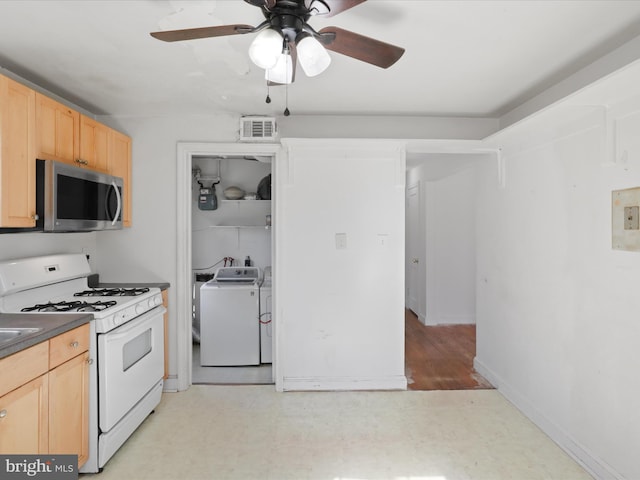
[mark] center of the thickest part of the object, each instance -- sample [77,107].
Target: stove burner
[77,306]
[112,292]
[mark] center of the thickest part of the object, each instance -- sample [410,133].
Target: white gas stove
[127,341]
[58,284]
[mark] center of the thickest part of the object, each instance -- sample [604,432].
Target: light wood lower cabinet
[48,413]
[24,418]
[68,408]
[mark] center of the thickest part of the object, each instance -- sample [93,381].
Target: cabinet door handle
[35,216]
[3,413]
[74,345]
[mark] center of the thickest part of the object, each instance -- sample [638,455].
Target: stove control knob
[140,309]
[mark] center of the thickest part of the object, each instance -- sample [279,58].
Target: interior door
[412,258]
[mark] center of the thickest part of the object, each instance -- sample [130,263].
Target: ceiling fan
[285,39]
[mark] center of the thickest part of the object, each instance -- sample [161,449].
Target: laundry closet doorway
[221,230]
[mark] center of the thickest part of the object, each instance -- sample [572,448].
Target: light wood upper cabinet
[57,131]
[94,144]
[17,155]
[120,166]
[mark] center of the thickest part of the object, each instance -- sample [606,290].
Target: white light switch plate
[341,241]
[625,205]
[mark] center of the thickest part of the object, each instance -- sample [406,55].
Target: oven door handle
[137,323]
[119,199]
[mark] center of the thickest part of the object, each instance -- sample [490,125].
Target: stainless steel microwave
[74,199]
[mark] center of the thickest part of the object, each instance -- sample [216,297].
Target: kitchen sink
[9,334]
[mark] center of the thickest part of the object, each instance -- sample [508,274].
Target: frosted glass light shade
[266,48]
[313,57]
[282,72]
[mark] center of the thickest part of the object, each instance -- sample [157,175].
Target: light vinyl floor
[253,432]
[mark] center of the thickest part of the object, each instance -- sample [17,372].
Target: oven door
[130,363]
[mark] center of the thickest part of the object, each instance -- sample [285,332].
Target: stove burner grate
[76,306]
[112,292]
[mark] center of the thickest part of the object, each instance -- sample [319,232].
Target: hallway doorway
[440,357]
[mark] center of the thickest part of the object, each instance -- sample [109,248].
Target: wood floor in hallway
[440,357]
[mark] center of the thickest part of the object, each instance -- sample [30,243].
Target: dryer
[229,312]
[266,325]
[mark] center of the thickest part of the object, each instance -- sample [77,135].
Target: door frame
[185,153]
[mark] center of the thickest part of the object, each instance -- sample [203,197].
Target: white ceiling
[463,58]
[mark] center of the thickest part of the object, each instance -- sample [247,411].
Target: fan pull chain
[268,99]
[286,95]
[286,100]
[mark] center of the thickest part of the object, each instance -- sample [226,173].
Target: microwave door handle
[119,207]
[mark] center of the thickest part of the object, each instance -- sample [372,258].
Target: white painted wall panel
[342,309]
[558,331]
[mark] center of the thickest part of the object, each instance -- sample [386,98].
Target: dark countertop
[94,282]
[160,285]
[52,324]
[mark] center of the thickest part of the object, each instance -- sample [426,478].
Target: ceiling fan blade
[360,47]
[203,32]
[338,6]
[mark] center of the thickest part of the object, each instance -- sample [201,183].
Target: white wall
[557,308]
[340,311]
[18,245]
[448,276]
[210,243]
[146,252]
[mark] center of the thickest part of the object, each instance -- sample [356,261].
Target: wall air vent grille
[257,129]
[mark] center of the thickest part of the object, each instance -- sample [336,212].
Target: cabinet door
[69,408]
[120,166]
[94,144]
[24,419]
[17,155]
[57,130]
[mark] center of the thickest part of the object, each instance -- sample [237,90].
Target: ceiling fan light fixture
[282,72]
[313,57]
[266,48]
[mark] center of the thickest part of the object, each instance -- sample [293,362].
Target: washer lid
[237,274]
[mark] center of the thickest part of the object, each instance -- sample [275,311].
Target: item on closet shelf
[207,198]
[264,188]
[250,196]
[233,193]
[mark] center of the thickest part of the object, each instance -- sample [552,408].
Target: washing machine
[200,279]
[266,325]
[229,312]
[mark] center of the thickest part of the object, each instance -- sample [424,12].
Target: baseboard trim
[170,384]
[450,320]
[590,462]
[398,382]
